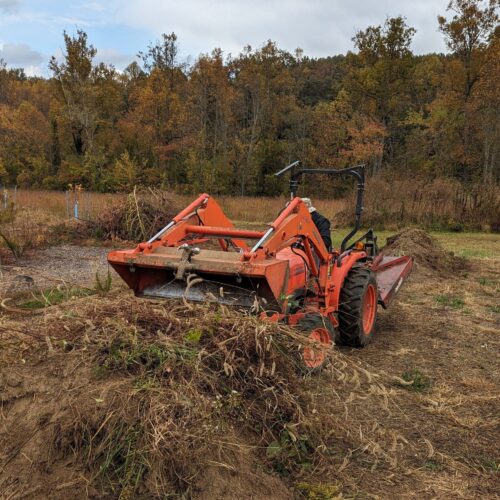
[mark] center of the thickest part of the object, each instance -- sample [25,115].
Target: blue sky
[31,30]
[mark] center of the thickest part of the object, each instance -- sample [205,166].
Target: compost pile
[144,213]
[427,252]
[126,398]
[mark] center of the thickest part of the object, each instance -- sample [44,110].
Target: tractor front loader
[284,273]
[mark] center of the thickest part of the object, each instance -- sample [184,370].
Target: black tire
[354,293]
[307,325]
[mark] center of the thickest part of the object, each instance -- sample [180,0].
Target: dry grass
[172,387]
[248,209]
[56,202]
[110,395]
[136,218]
[437,204]
[264,210]
[25,229]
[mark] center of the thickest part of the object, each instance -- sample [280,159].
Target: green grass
[55,296]
[321,491]
[494,309]
[419,381]
[150,359]
[103,284]
[433,466]
[483,281]
[491,464]
[476,253]
[193,336]
[475,245]
[450,301]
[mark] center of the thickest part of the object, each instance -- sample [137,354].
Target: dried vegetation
[141,215]
[112,396]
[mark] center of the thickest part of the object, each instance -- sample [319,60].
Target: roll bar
[358,172]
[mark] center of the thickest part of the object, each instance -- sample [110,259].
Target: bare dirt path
[67,265]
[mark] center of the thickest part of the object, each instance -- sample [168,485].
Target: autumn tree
[125,173]
[467,33]
[265,110]
[154,126]
[485,110]
[342,136]
[75,78]
[25,134]
[379,79]
[225,124]
[211,124]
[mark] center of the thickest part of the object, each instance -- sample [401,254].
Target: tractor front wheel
[320,333]
[358,307]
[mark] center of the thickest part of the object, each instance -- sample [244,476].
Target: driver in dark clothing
[321,222]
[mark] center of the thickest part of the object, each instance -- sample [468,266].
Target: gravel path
[67,265]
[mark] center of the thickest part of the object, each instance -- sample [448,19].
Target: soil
[442,332]
[425,250]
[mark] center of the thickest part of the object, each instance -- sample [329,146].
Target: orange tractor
[286,273]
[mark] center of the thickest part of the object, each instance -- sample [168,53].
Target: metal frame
[358,172]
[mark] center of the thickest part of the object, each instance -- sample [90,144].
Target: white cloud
[113,56]
[320,27]
[95,6]
[34,71]
[20,55]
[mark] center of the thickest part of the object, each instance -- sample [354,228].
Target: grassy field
[248,209]
[466,244]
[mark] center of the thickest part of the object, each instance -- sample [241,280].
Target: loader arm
[196,219]
[292,224]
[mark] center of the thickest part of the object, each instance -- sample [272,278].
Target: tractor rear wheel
[358,307]
[321,333]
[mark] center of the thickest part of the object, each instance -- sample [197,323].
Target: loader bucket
[208,276]
[390,273]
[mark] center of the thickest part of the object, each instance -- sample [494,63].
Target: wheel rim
[315,354]
[369,309]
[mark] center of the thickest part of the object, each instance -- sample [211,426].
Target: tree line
[225,124]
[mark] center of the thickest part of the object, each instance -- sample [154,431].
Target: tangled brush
[173,387]
[145,211]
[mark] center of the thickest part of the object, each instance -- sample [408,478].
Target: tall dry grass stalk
[435,204]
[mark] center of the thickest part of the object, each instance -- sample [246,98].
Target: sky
[31,30]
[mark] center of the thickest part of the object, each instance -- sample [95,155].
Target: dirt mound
[128,398]
[143,214]
[426,251]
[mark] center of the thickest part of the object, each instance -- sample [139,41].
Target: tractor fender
[338,275]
